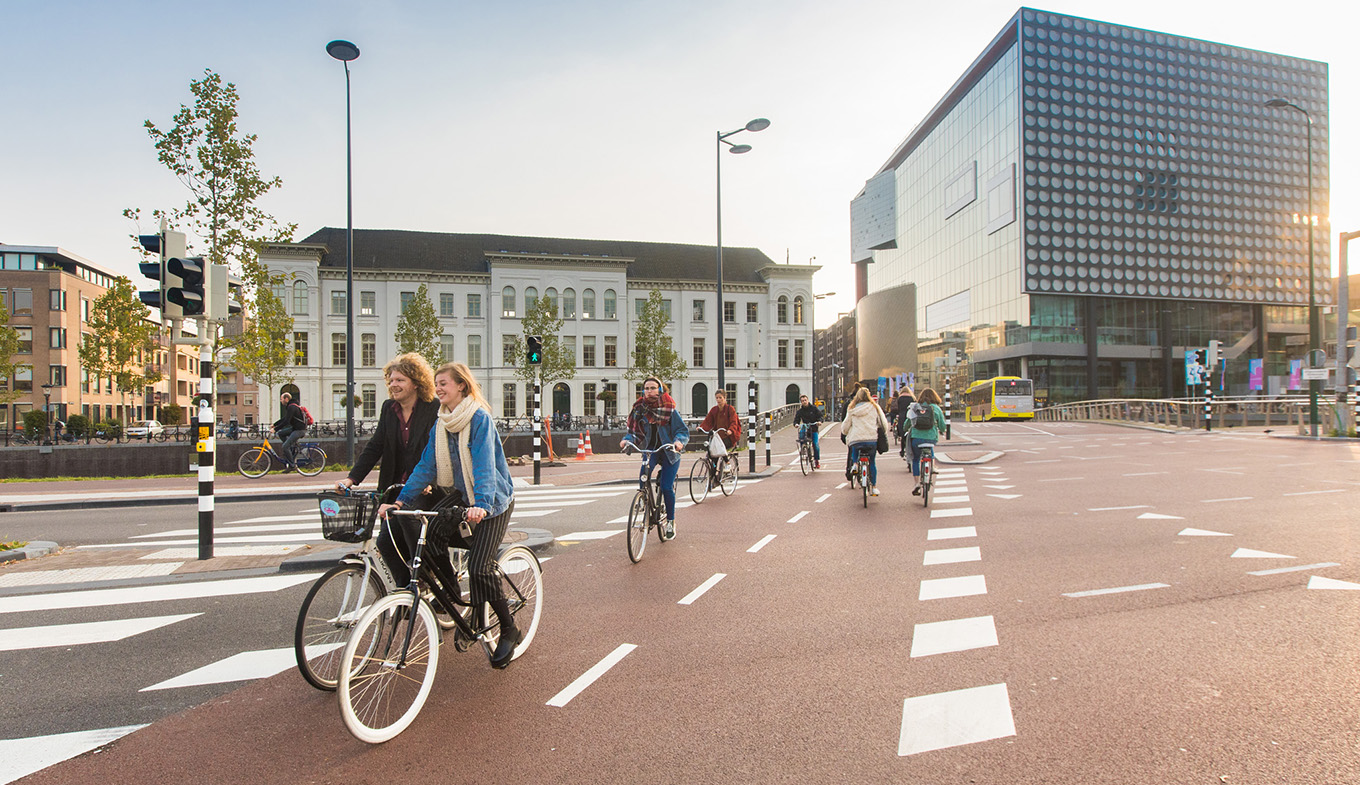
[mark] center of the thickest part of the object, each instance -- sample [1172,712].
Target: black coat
[385,449]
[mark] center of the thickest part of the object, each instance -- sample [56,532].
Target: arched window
[299,298]
[508,302]
[698,399]
[568,304]
[610,305]
[791,394]
[588,304]
[551,296]
[798,310]
[783,309]
[530,298]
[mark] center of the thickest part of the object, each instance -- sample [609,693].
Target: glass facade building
[1091,200]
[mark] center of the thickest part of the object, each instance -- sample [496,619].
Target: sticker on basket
[330,508]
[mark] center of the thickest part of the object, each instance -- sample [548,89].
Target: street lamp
[344,51]
[835,377]
[47,410]
[1314,330]
[758,124]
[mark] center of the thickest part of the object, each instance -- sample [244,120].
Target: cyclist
[464,453]
[860,431]
[652,423]
[723,415]
[290,427]
[903,423]
[928,411]
[807,418]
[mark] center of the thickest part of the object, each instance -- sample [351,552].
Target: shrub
[172,414]
[78,425]
[35,424]
[112,428]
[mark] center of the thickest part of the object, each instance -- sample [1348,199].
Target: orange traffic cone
[580,449]
[589,451]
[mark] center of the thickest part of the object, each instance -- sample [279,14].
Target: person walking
[652,423]
[927,420]
[860,431]
[464,454]
[290,427]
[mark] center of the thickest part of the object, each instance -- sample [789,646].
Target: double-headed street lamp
[344,51]
[758,124]
[1314,329]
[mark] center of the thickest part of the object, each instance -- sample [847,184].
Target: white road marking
[1130,507]
[1310,493]
[314,516]
[842,485]
[246,666]
[1200,533]
[798,517]
[1118,590]
[21,638]
[21,757]
[595,535]
[823,498]
[703,587]
[315,536]
[1047,460]
[943,637]
[86,574]
[1005,495]
[1055,479]
[950,499]
[954,533]
[951,483]
[952,556]
[129,595]
[1231,499]
[763,542]
[311,527]
[1248,553]
[951,719]
[943,588]
[1157,516]
[999,487]
[1143,474]
[1318,582]
[1300,568]
[589,677]
[956,512]
[186,554]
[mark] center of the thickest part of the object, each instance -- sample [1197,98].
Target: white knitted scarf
[457,422]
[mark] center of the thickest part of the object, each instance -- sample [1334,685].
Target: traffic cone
[589,451]
[580,449]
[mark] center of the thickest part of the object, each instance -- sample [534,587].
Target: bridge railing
[1188,413]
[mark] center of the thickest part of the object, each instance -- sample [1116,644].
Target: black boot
[510,635]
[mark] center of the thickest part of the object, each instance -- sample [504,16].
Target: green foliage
[78,425]
[12,545]
[9,347]
[264,348]
[112,428]
[121,341]
[558,364]
[35,424]
[418,328]
[653,354]
[172,414]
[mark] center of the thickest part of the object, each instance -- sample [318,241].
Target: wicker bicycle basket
[347,518]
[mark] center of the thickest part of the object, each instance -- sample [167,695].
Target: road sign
[1316,374]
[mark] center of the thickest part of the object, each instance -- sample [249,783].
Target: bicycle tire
[864,486]
[804,460]
[728,483]
[699,478]
[325,620]
[521,578]
[310,461]
[637,526]
[927,480]
[254,463]
[658,505]
[378,697]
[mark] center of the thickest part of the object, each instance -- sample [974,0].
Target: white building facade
[482,285]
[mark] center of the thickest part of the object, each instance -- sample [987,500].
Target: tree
[264,349]
[558,364]
[418,328]
[121,340]
[652,351]
[9,347]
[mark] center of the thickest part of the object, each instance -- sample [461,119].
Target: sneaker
[670,529]
[816,464]
[873,491]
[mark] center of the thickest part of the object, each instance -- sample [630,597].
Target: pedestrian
[925,412]
[464,454]
[290,427]
[860,431]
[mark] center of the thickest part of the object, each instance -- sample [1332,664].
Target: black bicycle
[715,468]
[927,472]
[389,662]
[648,505]
[807,456]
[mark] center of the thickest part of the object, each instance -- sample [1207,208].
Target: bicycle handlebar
[635,448]
[715,430]
[457,512]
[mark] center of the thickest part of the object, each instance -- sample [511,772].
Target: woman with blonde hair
[464,454]
[860,431]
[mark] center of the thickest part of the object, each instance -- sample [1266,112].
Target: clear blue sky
[568,119]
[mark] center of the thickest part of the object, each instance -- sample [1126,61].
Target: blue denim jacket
[490,473]
[674,431]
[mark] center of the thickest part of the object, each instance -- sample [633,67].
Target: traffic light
[535,349]
[224,293]
[165,245]
[953,357]
[1211,358]
[186,283]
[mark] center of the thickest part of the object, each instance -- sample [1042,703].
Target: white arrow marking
[1247,553]
[1005,495]
[1319,582]
[1156,516]
[1200,533]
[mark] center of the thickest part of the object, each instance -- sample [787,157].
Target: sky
[577,118]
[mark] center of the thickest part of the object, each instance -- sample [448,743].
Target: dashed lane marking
[952,719]
[943,637]
[1230,499]
[763,542]
[1118,590]
[589,677]
[954,533]
[1310,493]
[1300,568]
[689,599]
[798,517]
[952,556]
[23,638]
[945,588]
[822,498]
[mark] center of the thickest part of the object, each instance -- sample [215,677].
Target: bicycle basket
[347,518]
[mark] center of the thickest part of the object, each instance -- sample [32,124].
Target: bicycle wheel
[699,476]
[310,461]
[328,614]
[864,481]
[637,526]
[659,506]
[728,481]
[804,459]
[522,581]
[254,462]
[927,480]
[379,694]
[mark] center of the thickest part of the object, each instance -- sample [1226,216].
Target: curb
[285,495]
[32,550]
[536,540]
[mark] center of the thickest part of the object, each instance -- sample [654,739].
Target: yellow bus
[1004,397]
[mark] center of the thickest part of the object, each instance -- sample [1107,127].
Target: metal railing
[1189,413]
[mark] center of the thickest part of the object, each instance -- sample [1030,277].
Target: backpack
[306,415]
[924,419]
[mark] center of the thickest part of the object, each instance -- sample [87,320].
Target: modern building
[1090,200]
[482,285]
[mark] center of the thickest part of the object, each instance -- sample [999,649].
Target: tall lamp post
[344,51]
[758,124]
[47,411]
[1314,330]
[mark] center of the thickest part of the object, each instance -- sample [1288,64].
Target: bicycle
[389,661]
[339,597]
[645,511]
[859,475]
[710,470]
[927,472]
[807,458]
[257,461]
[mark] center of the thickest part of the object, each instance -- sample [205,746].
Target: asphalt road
[1096,605]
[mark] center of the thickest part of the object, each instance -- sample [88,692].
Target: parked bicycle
[927,472]
[715,468]
[807,457]
[859,475]
[257,461]
[648,506]
[389,661]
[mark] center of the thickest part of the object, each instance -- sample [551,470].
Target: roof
[396,249]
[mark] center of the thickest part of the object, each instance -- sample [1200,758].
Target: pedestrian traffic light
[186,284]
[535,349]
[165,245]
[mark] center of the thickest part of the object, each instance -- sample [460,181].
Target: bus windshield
[1014,387]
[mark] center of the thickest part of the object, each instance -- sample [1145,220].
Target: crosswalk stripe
[48,636]
[312,526]
[130,595]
